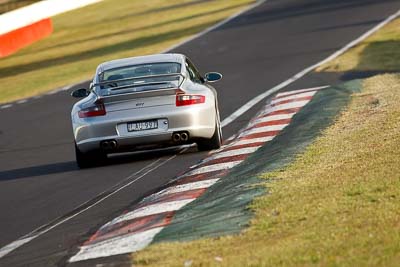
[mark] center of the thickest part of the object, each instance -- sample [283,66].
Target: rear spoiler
[133,95]
[140,78]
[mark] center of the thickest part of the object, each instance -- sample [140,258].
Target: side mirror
[212,77]
[79,93]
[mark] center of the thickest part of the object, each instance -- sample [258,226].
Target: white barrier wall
[24,26]
[38,11]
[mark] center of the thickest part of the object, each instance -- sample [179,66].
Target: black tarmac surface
[39,181]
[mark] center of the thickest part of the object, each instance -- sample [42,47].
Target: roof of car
[179,58]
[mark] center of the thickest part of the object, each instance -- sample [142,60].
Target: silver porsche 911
[142,103]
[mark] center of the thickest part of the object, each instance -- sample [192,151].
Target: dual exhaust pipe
[180,137]
[177,137]
[108,145]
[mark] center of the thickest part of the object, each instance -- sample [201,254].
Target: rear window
[138,78]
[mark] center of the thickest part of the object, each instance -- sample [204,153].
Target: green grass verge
[84,38]
[379,52]
[337,203]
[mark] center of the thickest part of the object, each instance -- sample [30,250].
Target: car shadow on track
[40,170]
[155,154]
[70,166]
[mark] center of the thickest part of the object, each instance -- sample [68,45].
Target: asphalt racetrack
[40,182]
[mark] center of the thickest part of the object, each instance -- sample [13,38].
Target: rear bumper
[198,121]
[124,143]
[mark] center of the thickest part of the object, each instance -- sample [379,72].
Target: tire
[214,142]
[90,159]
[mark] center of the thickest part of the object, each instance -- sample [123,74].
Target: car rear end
[149,113]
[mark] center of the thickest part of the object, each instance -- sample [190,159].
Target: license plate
[142,125]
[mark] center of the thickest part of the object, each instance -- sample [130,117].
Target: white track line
[152,210]
[118,245]
[14,245]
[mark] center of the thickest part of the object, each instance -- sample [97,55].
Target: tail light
[185,100]
[98,109]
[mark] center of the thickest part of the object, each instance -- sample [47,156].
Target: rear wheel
[214,142]
[89,159]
